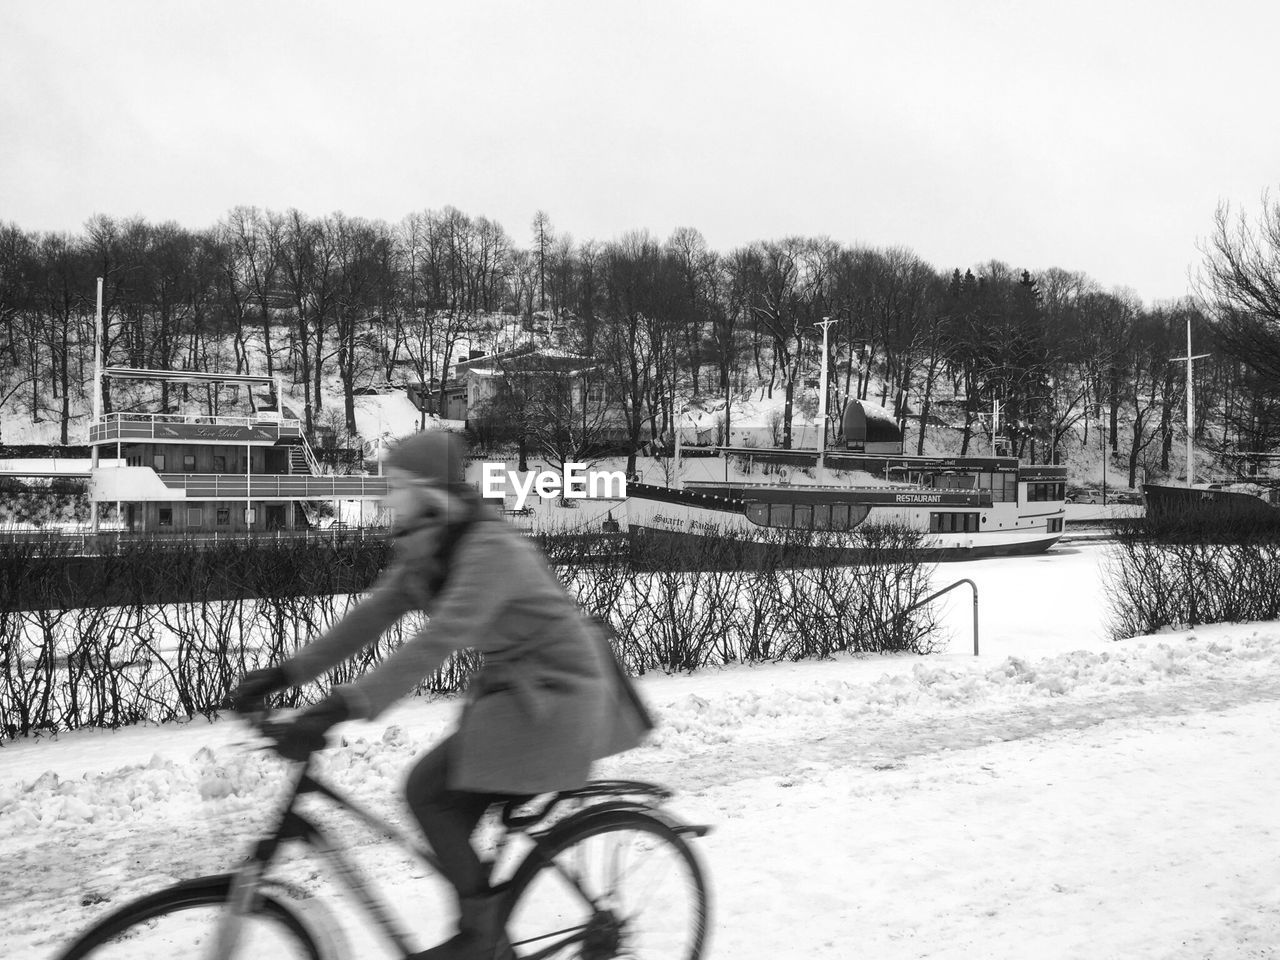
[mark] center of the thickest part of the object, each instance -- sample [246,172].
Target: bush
[1188,570]
[91,645]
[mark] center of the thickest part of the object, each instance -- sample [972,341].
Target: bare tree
[1240,283]
[256,239]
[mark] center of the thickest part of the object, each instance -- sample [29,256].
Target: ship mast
[1188,359]
[97,406]
[825,324]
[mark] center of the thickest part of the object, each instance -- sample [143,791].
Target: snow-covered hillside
[1058,796]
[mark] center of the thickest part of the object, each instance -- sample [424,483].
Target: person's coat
[546,701]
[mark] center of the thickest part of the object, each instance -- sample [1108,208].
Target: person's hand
[298,738]
[255,686]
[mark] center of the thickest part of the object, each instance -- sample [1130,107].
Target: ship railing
[86,542]
[149,421]
[269,486]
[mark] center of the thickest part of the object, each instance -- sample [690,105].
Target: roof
[528,359]
[184,376]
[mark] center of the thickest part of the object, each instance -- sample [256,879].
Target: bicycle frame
[292,825]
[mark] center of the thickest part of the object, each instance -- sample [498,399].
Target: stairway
[301,465]
[298,464]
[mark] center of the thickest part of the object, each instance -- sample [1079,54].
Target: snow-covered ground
[1059,795]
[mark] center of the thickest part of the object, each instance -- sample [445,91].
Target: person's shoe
[452,949]
[479,936]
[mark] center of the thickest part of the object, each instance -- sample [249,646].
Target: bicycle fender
[665,817]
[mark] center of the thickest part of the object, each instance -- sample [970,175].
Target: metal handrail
[948,589]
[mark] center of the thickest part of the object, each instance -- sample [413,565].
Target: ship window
[195,517]
[166,516]
[1041,492]
[838,516]
[223,517]
[189,462]
[1003,486]
[157,462]
[219,463]
[777,514]
[802,518]
[953,522]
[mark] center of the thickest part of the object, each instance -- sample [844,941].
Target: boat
[1242,498]
[202,476]
[952,507]
[1246,499]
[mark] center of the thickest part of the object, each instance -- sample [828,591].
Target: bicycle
[610,874]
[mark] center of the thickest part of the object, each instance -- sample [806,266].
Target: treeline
[132,660]
[306,297]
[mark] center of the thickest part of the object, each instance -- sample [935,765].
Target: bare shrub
[1184,571]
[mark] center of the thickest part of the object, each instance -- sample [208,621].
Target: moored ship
[957,507]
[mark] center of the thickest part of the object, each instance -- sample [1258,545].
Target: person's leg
[448,818]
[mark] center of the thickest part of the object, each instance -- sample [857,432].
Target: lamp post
[1106,453]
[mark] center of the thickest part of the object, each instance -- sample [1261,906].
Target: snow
[1058,795]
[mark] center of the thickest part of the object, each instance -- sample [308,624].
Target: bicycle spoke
[627,885]
[568,938]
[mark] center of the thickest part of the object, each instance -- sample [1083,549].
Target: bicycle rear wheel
[180,921]
[620,883]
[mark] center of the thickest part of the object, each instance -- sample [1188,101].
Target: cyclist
[547,701]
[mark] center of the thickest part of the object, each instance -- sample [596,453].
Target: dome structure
[870,428]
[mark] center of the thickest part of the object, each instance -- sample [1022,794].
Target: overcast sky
[1097,137]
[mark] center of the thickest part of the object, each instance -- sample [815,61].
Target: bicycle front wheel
[180,921]
[620,883]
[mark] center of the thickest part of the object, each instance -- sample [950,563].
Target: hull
[656,547]
[973,525]
[1205,503]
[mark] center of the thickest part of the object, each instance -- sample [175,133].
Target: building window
[223,517]
[157,462]
[166,515]
[189,462]
[195,517]
[219,463]
[595,393]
